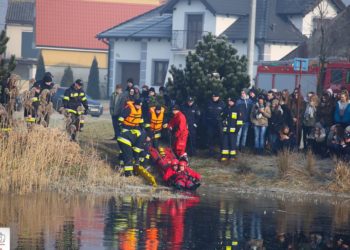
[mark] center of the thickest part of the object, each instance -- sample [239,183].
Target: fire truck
[283,75]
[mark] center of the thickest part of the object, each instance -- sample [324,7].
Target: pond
[209,220]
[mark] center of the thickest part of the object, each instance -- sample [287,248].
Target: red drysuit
[179,124]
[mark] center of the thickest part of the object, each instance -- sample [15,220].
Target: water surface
[210,220]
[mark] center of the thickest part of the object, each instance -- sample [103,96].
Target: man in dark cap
[178,125]
[131,136]
[192,114]
[75,103]
[130,84]
[45,88]
[213,121]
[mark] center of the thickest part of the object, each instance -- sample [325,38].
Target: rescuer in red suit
[178,125]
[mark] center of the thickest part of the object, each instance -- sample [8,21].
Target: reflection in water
[210,222]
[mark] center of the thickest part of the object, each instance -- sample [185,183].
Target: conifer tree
[67,78]
[93,87]
[6,66]
[40,69]
[213,66]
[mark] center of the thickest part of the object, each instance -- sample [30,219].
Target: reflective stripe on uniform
[232,130]
[82,94]
[30,119]
[6,129]
[239,122]
[82,121]
[224,152]
[35,99]
[234,115]
[147,156]
[137,150]
[84,99]
[74,111]
[233,152]
[120,119]
[74,95]
[66,98]
[135,132]
[157,135]
[224,129]
[147,125]
[128,168]
[142,159]
[123,140]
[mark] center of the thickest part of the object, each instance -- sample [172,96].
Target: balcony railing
[186,39]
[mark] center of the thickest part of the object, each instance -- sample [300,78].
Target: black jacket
[74,98]
[214,110]
[230,116]
[192,114]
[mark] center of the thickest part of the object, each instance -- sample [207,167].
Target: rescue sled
[162,160]
[147,175]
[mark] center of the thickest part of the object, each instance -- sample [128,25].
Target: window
[336,76]
[194,30]
[28,47]
[347,81]
[319,22]
[159,73]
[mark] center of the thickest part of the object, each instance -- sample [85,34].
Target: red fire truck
[281,75]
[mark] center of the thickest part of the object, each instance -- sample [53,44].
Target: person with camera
[259,117]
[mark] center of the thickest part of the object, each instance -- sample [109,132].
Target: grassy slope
[249,171]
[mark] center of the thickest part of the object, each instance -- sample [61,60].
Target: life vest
[156,120]
[135,117]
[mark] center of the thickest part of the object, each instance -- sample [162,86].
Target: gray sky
[347,2]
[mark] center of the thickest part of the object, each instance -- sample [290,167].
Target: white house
[144,47]
[20,30]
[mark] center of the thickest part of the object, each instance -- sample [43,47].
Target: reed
[284,161]
[310,163]
[36,159]
[341,177]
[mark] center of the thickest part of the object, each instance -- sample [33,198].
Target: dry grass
[284,162]
[37,159]
[310,163]
[340,177]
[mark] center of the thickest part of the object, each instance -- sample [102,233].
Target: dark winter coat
[213,111]
[74,98]
[192,114]
[324,114]
[245,107]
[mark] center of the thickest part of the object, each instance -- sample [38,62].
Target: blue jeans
[259,136]
[242,135]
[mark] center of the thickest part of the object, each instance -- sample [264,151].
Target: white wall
[14,45]
[181,9]
[275,52]
[156,50]
[305,24]
[223,22]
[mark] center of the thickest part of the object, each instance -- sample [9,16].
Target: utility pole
[251,40]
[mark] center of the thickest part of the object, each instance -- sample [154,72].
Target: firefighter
[192,114]
[73,98]
[155,123]
[231,122]
[178,125]
[46,85]
[131,137]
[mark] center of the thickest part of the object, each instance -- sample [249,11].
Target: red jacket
[168,173]
[179,124]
